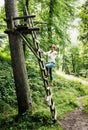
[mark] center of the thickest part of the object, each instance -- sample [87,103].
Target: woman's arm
[45,53]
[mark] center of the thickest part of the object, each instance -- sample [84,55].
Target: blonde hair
[53,46]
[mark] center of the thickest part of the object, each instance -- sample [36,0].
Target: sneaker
[51,84]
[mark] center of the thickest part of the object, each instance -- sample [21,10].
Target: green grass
[6,110]
[64,92]
[84,101]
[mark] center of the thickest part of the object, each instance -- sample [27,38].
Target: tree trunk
[18,62]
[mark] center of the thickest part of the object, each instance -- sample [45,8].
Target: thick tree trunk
[18,62]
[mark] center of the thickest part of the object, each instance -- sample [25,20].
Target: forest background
[55,19]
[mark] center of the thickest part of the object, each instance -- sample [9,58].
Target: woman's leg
[50,72]
[51,77]
[49,69]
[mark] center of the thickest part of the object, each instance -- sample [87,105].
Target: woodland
[22,92]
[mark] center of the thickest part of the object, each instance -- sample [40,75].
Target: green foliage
[84,35]
[72,60]
[7,88]
[6,57]
[84,101]
[64,93]
[38,121]
[84,23]
[72,85]
[2,22]
[60,12]
[4,48]
[6,110]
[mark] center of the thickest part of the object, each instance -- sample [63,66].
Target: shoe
[51,84]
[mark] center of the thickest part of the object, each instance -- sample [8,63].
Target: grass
[64,92]
[6,110]
[84,101]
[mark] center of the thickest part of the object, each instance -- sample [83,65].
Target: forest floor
[77,119]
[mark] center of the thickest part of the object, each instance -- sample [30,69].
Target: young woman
[52,54]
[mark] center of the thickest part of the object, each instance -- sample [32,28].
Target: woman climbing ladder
[52,54]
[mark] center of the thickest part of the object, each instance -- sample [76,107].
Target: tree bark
[18,62]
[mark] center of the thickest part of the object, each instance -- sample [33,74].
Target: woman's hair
[53,46]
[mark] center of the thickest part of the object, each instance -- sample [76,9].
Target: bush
[7,87]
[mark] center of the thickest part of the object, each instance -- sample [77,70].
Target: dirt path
[71,77]
[76,120]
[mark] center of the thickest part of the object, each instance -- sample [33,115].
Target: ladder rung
[45,78]
[23,17]
[22,26]
[42,59]
[39,50]
[43,69]
[48,87]
[36,41]
[53,107]
[38,22]
[55,116]
[27,30]
[9,31]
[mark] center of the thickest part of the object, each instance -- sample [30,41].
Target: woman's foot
[51,83]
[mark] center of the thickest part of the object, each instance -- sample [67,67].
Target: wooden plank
[7,31]
[22,30]
[22,17]
[37,22]
[27,30]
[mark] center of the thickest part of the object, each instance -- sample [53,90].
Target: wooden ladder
[22,31]
[37,53]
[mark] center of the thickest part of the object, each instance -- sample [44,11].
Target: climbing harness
[22,30]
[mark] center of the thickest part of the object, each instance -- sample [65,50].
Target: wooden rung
[26,30]
[55,116]
[36,41]
[39,50]
[43,69]
[48,87]
[38,22]
[9,31]
[45,78]
[34,29]
[22,17]
[42,59]
[21,27]
[46,84]
[53,107]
